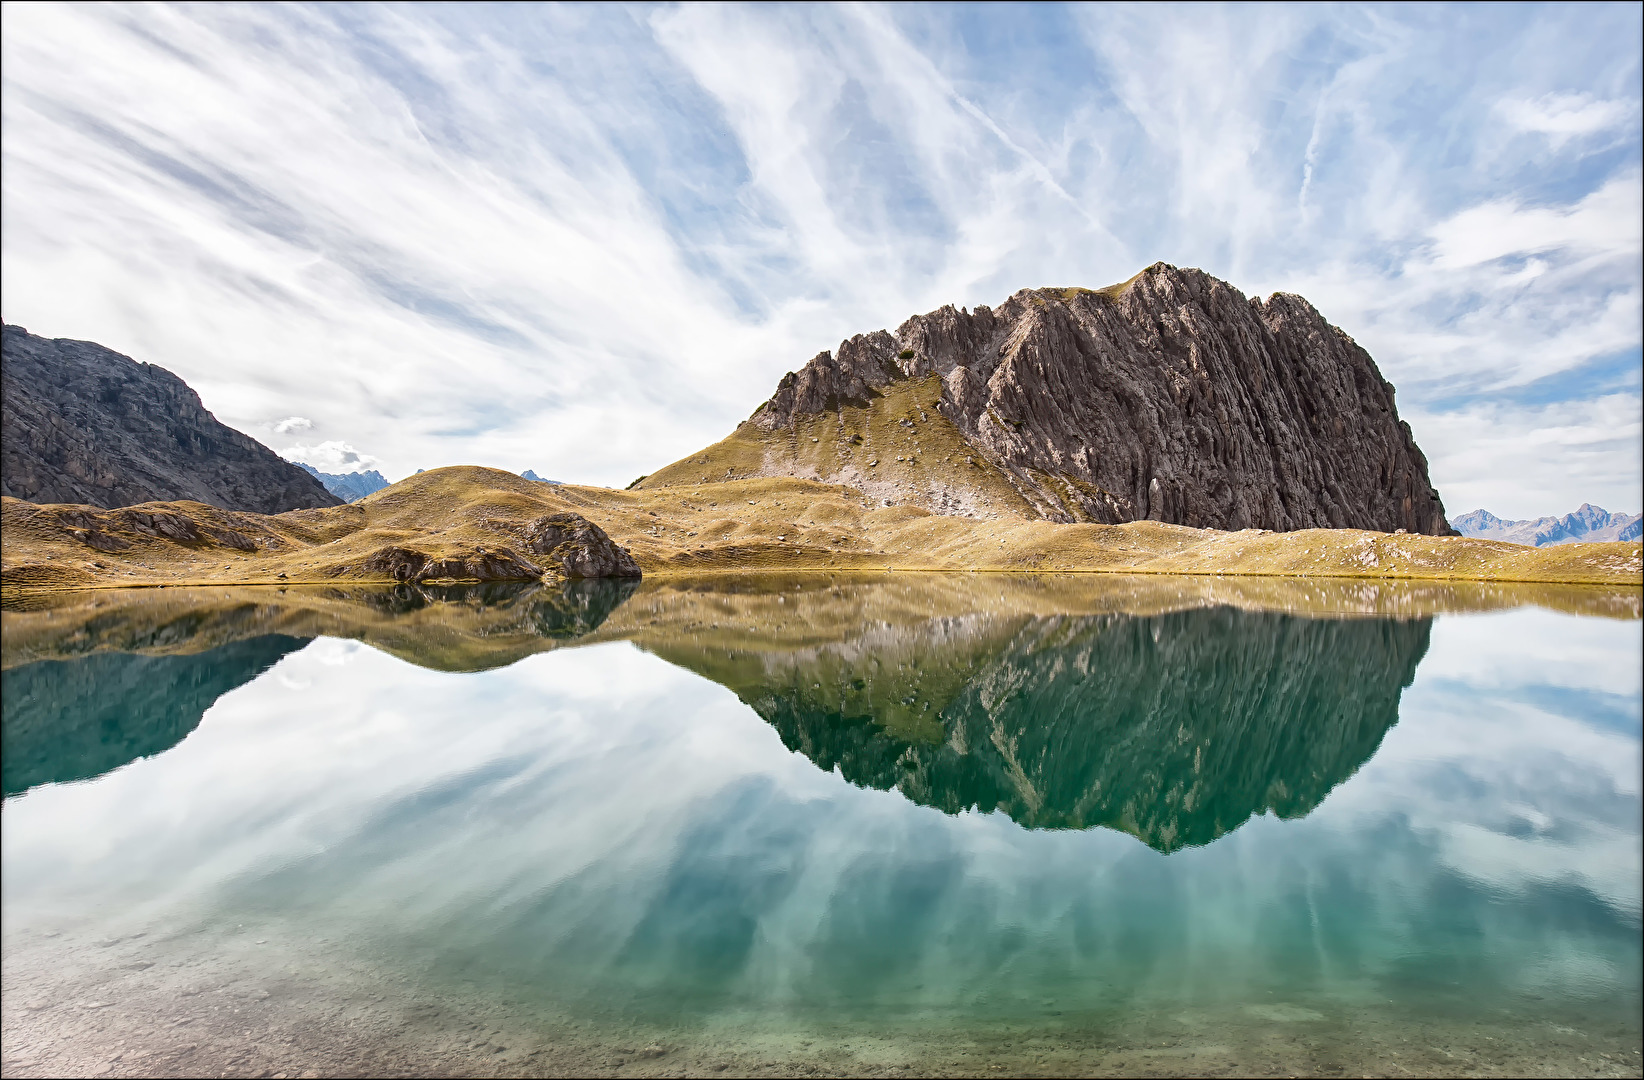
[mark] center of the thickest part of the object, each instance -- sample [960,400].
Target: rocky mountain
[1586,525]
[84,424]
[1170,397]
[349,487]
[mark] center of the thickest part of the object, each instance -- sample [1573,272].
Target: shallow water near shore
[834,826]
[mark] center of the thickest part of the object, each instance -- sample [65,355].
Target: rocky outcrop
[187,524]
[84,424]
[561,545]
[577,548]
[1172,397]
[415,567]
[1590,524]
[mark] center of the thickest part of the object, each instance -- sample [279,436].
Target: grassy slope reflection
[74,719]
[1175,728]
[141,676]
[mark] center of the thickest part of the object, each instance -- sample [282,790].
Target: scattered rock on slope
[1172,397]
[84,424]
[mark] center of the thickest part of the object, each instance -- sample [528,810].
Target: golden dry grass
[898,448]
[759,524]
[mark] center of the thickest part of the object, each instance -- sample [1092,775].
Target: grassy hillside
[898,448]
[754,524]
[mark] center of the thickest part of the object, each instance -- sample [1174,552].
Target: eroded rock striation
[87,425]
[1172,397]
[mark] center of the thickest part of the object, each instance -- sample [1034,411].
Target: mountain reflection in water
[75,719]
[136,677]
[584,854]
[1175,726]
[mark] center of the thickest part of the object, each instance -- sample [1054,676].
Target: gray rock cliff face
[1172,397]
[84,424]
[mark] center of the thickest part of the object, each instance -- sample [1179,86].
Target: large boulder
[575,547]
[555,546]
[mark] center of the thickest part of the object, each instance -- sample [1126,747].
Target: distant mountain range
[530,475]
[84,424]
[1589,524]
[349,487]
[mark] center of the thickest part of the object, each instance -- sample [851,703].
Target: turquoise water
[1195,840]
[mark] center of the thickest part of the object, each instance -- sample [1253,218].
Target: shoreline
[672,574]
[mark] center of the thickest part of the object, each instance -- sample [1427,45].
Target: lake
[957,824]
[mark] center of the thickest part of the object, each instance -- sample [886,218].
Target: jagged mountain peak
[1588,524]
[1170,396]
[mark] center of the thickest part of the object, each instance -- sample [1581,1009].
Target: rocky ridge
[1171,397]
[87,425]
[454,524]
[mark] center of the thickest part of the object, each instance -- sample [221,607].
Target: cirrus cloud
[331,456]
[589,241]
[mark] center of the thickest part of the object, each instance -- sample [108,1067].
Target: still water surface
[871,826]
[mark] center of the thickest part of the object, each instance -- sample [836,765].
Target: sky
[588,240]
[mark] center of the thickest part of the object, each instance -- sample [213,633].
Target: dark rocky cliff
[84,424]
[1171,397]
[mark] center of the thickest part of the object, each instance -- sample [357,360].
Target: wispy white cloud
[1520,460]
[1608,223]
[1565,116]
[331,456]
[589,241]
[292,424]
